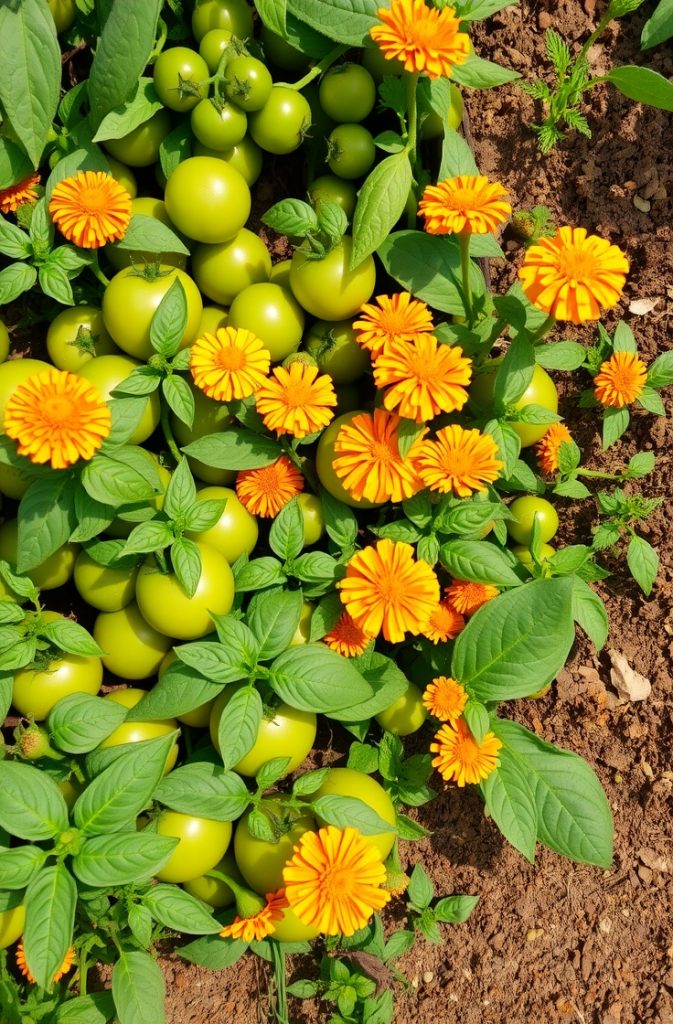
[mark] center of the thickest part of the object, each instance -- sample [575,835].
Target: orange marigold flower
[368,461]
[460,758]
[423,38]
[298,401]
[396,318]
[459,461]
[445,698]
[422,377]
[547,450]
[266,491]
[347,638]
[14,196]
[469,203]
[620,380]
[22,964]
[261,924]
[334,879]
[467,597]
[57,417]
[385,590]
[232,363]
[90,209]
[574,275]
[445,623]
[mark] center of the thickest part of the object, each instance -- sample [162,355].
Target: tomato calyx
[32,743]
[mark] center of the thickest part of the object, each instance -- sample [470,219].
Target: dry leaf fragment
[653,860]
[640,307]
[629,684]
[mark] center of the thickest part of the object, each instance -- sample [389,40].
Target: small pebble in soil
[605,925]
[533,934]
[427,977]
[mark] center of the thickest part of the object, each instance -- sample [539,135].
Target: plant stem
[543,329]
[464,242]
[317,70]
[168,434]
[411,85]
[280,981]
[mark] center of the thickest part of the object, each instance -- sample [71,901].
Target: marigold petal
[469,203]
[460,758]
[620,380]
[230,364]
[266,491]
[90,209]
[424,39]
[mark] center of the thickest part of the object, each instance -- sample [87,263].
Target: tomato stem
[168,433]
[547,325]
[317,70]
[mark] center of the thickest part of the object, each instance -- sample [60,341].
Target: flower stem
[168,434]
[547,325]
[411,84]
[464,242]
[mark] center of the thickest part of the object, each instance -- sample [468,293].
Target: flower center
[381,452]
[231,358]
[393,322]
[57,408]
[93,200]
[336,881]
[298,394]
[577,265]
[267,480]
[466,751]
[458,463]
[391,589]
[461,199]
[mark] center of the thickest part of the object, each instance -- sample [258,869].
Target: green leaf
[659,27]
[643,563]
[477,73]
[572,489]
[386,680]
[457,157]
[315,567]
[141,105]
[508,442]
[478,561]
[454,909]
[380,205]
[651,400]
[169,320]
[138,989]
[92,517]
[260,573]
[340,521]
[140,923]
[660,373]
[363,758]
[180,689]
[54,282]
[309,782]
[214,953]
[477,719]
[51,898]
[515,644]
[421,890]
[314,678]
[19,865]
[641,464]
[624,340]
[71,637]
[217,662]
[235,448]
[14,164]
[429,267]
[181,491]
[345,21]
[589,611]
[615,422]
[46,519]
[239,725]
[273,617]
[204,514]
[128,474]
[15,280]
[122,858]
[175,147]
[96,1008]
[176,909]
[643,85]
[14,242]
[30,72]
[292,217]
[510,800]
[180,398]
[515,372]
[206,790]
[79,722]
[147,234]
[347,810]
[154,535]
[286,536]
[31,804]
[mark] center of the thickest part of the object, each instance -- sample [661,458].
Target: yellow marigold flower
[459,461]
[57,417]
[266,491]
[460,758]
[385,590]
[261,924]
[347,638]
[467,597]
[469,204]
[334,879]
[396,318]
[90,209]
[232,363]
[22,964]
[424,39]
[422,377]
[14,196]
[445,698]
[368,461]
[547,450]
[574,275]
[297,401]
[620,380]
[445,623]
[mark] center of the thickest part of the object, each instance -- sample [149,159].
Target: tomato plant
[526,510]
[249,83]
[218,126]
[245,157]
[213,45]
[131,300]
[406,715]
[236,531]
[76,335]
[261,862]
[15,372]
[12,923]
[541,391]
[207,199]
[178,76]
[4,342]
[104,587]
[203,843]
[348,782]
[105,373]
[336,190]
[214,891]
[140,147]
[138,732]
[313,516]
[147,206]
[283,732]
[327,288]
[51,573]
[233,15]
[332,344]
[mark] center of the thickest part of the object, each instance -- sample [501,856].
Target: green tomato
[213,45]
[333,346]
[207,199]
[249,83]
[282,123]
[4,342]
[223,271]
[291,929]
[53,572]
[324,457]
[313,516]
[302,634]
[273,314]
[36,691]
[102,586]
[148,206]
[245,157]
[347,92]
[12,923]
[15,372]
[280,274]
[212,891]
[180,78]
[279,52]
[348,782]
[233,15]
[210,417]
[406,715]
[236,531]
[220,126]
[288,733]
[134,649]
[540,391]
[63,12]
[351,151]
[379,66]
[77,335]
[525,555]
[105,373]
[167,608]
[203,844]
[131,300]
[334,190]
[432,126]
[140,147]
[526,510]
[260,862]
[327,288]
[212,318]
[137,732]
[124,175]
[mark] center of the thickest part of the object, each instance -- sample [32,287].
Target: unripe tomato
[48,575]
[327,288]
[36,691]
[289,733]
[168,609]
[212,891]
[233,15]
[14,482]
[280,274]
[525,555]
[147,206]
[406,715]
[133,650]
[245,157]
[313,516]
[218,126]
[323,463]
[105,373]
[432,126]
[212,318]
[207,199]
[15,372]
[4,342]
[351,151]
[281,124]
[12,923]
[281,53]
[273,314]
[77,335]
[348,782]
[137,732]
[236,531]
[209,418]
[249,83]
[199,717]
[176,68]
[335,190]
[213,45]
[291,929]
[223,271]
[140,147]
[131,300]
[102,586]
[347,92]
[63,12]
[302,634]
[526,510]
[203,844]
[332,344]
[124,175]
[540,391]
[378,65]
[261,863]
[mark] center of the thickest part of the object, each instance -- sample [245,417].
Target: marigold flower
[460,758]
[90,209]
[347,638]
[266,491]
[547,450]
[469,203]
[261,924]
[424,39]
[298,401]
[368,461]
[574,275]
[445,623]
[22,963]
[459,461]
[57,417]
[385,590]
[467,597]
[397,317]
[422,377]
[14,196]
[445,698]
[620,380]
[334,879]
[232,363]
